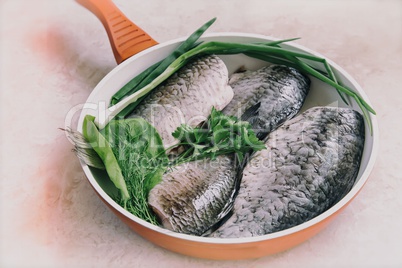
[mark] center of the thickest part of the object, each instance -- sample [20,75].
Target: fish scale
[190,197]
[279,90]
[194,198]
[315,161]
[178,100]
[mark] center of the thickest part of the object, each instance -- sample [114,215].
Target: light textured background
[53,53]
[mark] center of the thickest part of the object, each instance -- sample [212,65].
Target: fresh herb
[202,49]
[269,51]
[132,151]
[134,158]
[155,70]
[103,148]
[220,134]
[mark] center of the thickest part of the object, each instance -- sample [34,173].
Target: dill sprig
[134,158]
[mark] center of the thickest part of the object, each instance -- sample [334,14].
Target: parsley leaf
[220,134]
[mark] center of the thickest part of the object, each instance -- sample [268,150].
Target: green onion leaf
[155,70]
[103,148]
[270,51]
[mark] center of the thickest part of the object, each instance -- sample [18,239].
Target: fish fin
[257,123]
[227,211]
[262,134]
[251,112]
[218,224]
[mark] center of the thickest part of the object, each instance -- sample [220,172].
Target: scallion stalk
[269,51]
[155,70]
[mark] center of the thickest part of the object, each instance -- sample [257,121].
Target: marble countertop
[53,53]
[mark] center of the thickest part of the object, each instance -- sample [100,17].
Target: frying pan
[134,51]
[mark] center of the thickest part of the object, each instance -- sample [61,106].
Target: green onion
[155,70]
[134,83]
[270,51]
[103,148]
[327,67]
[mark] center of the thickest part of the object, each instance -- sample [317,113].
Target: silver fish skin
[267,97]
[176,200]
[187,97]
[194,196]
[310,163]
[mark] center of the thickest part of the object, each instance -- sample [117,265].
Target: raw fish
[187,97]
[193,198]
[310,163]
[267,97]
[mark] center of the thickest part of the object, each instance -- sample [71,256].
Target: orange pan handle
[125,37]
